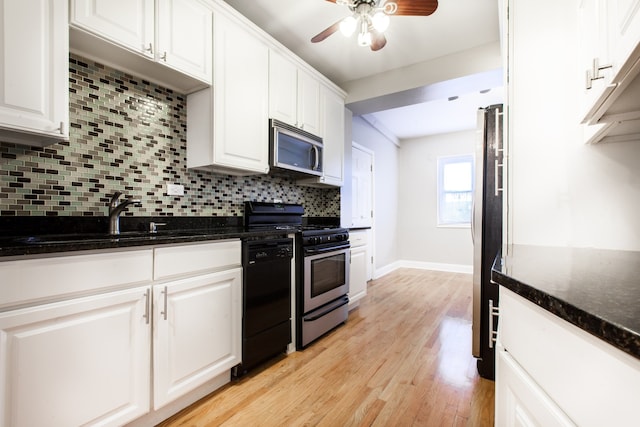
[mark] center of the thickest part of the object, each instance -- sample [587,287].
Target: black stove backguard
[270,214]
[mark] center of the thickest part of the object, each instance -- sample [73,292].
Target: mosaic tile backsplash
[129,135]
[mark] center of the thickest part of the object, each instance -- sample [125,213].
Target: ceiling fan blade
[415,7]
[378,40]
[326,32]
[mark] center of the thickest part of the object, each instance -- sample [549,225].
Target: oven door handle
[313,251]
[336,304]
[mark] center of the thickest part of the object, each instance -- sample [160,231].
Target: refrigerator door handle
[494,311]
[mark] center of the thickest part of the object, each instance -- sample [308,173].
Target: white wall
[422,242]
[386,192]
[561,191]
[461,64]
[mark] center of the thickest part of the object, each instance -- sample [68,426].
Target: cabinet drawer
[32,281]
[594,383]
[359,238]
[195,259]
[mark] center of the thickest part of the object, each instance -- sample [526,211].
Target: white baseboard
[452,268]
[389,268]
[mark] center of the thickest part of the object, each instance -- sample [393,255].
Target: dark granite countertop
[33,236]
[595,289]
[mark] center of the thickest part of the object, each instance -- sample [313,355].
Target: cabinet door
[520,401]
[333,138]
[309,118]
[34,64]
[129,23]
[197,332]
[624,28]
[595,52]
[241,90]
[78,362]
[185,37]
[358,274]
[283,89]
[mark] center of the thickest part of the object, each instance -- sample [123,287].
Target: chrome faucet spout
[116,208]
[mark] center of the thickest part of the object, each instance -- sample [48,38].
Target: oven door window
[327,273]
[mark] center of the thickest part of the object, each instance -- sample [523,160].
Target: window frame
[442,161]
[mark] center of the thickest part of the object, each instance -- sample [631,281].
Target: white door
[185,37]
[79,362]
[34,64]
[129,23]
[197,332]
[362,187]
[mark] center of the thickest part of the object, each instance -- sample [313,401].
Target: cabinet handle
[61,128]
[150,48]
[493,312]
[594,73]
[164,56]
[147,303]
[164,309]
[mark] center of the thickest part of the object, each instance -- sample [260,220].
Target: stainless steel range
[322,267]
[323,282]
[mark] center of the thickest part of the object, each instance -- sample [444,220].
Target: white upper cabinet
[34,76]
[294,95]
[228,125]
[184,37]
[129,23]
[332,109]
[610,45]
[333,138]
[129,33]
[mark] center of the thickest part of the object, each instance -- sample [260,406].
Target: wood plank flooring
[402,359]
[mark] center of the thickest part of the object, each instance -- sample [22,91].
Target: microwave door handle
[317,157]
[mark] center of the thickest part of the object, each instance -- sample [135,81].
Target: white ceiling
[456,25]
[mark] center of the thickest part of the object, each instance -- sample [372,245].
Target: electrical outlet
[175,190]
[277,200]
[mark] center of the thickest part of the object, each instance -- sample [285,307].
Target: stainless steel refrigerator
[486,230]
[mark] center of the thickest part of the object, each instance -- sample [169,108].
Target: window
[455,190]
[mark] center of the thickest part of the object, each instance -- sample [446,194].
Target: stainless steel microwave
[292,149]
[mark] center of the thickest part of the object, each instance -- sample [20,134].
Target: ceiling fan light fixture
[380,21]
[348,26]
[364,39]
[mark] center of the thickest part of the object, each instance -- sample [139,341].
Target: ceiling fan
[371,18]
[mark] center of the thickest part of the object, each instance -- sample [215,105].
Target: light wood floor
[402,359]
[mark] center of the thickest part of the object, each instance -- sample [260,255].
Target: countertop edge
[611,333]
[24,251]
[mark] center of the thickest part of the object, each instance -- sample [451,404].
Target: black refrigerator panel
[487,235]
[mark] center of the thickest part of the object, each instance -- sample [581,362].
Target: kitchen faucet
[115,209]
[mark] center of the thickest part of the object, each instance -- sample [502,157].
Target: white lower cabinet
[76,333]
[83,361]
[552,373]
[359,268]
[522,401]
[197,331]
